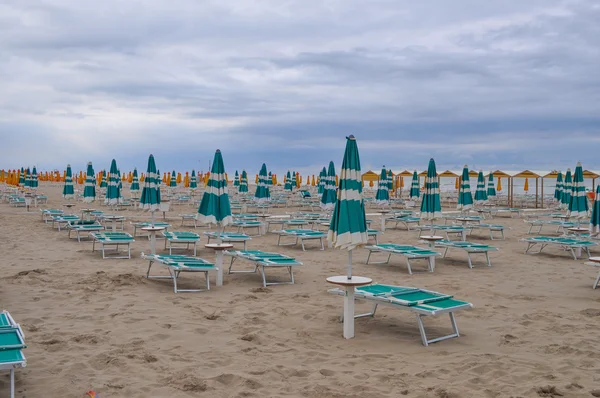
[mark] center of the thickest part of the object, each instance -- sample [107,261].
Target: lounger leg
[174,275]
[368,257]
[469,258]
[12,383]
[597,281]
[369,314]
[422,330]
[322,246]
[445,252]
[262,273]
[431,263]
[408,265]
[279,240]
[302,242]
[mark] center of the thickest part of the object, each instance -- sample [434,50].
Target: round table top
[217,246]
[109,217]
[263,215]
[432,237]
[69,205]
[88,210]
[594,259]
[153,229]
[578,229]
[343,280]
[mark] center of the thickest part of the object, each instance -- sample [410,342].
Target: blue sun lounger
[407,251]
[229,237]
[469,247]
[85,226]
[301,235]
[115,239]
[575,246]
[63,220]
[47,214]
[180,238]
[419,301]
[177,264]
[12,344]
[263,260]
[490,227]
[407,221]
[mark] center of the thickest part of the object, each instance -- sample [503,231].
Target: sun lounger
[373,234]
[539,225]
[63,220]
[85,226]
[180,238]
[47,214]
[17,201]
[262,261]
[407,251]
[457,230]
[116,239]
[140,225]
[189,217]
[420,301]
[575,246]
[229,237]
[12,344]
[285,223]
[407,221]
[178,264]
[595,261]
[469,247]
[491,228]
[242,225]
[300,235]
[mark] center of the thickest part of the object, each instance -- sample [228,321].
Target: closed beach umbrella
[465,197]
[322,181]
[236,181]
[270,179]
[262,193]
[328,197]
[578,207]
[595,220]
[566,196]
[173,182]
[491,189]
[103,183]
[243,182]
[558,190]
[135,182]
[481,196]
[382,197]
[526,186]
[499,188]
[288,182]
[430,205]
[34,178]
[215,207]
[193,180]
[150,197]
[22,177]
[89,190]
[113,192]
[68,191]
[415,189]
[28,178]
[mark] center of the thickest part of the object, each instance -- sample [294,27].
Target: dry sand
[94,324]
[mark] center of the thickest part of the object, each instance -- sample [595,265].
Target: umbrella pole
[152,219]
[349,266]
[349,303]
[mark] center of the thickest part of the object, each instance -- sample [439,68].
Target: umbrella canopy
[89,190]
[566,195]
[68,191]
[578,206]
[288,182]
[595,220]
[215,207]
[34,178]
[558,190]
[22,177]
[390,181]
[103,183]
[28,178]
[322,181]
[243,182]
[465,197]
[430,205]
[491,189]
[193,180]
[328,197]
[382,197]
[113,192]
[415,189]
[262,193]
[270,179]
[236,181]
[135,183]
[481,196]
[150,197]
[348,227]
[173,182]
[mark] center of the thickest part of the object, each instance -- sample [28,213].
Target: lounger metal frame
[300,237]
[469,250]
[260,264]
[116,243]
[567,247]
[228,239]
[13,327]
[171,239]
[175,270]
[408,256]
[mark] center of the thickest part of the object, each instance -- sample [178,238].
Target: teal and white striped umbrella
[135,182]
[158,179]
[328,197]
[578,207]
[262,193]
[430,205]
[558,190]
[465,197]
[243,182]
[236,181]
[113,193]
[322,181]
[481,196]
[390,181]
[270,179]
[348,226]
[288,182]
[215,207]
[22,177]
[150,197]
[28,178]
[491,188]
[68,191]
[415,189]
[120,183]
[34,178]
[193,180]
[103,183]
[173,182]
[566,195]
[382,197]
[595,220]
[89,190]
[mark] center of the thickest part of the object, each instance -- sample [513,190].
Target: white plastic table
[218,248]
[153,230]
[349,285]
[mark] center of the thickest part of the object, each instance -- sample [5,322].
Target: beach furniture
[229,237]
[409,252]
[244,224]
[85,226]
[12,344]
[262,261]
[419,301]
[47,214]
[574,246]
[63,220]
[407,221]
[112,239]
[285,223]
[373,234]
[595,261]
[140,225]
[180,238]
[469,247]
[499,229]
[176,264]
[538,225]
[300,235]
[189,218]
[17,201]
[458,230]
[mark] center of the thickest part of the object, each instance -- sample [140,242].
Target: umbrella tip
[218,150]
[351,137]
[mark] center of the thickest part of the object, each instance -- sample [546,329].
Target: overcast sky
[495,84]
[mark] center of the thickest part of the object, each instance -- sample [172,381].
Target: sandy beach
[94,324]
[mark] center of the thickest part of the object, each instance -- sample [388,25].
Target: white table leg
[153,242]
[383,223]
[349,313]
[219,267]
[114,226]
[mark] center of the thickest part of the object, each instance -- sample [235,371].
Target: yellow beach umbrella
[457,184]
[526,186]
[499,187]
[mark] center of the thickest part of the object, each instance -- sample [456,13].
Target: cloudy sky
[501,84]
